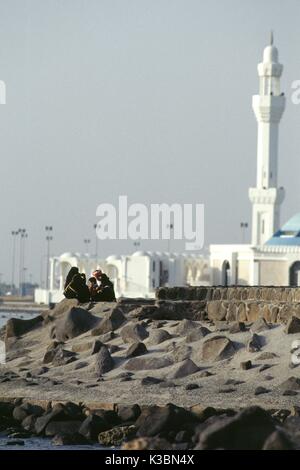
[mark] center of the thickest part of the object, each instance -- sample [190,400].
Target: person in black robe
[76,288]
[105,292]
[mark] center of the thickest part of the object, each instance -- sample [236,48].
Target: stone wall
[236,303]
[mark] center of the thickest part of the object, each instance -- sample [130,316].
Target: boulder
[61,308]
[111,321]
[103,361]
[217,348]
[148,363]
[254,343]
[158,336]
[150,381]
[261,390]
[247,430]
[97,345]
[136,349]
[185,326]
[62,428]
[74,323]
[92,426]
[237,327]
[128,413]
[57,414]
[63,357]
[246,365]
[182,369]
[133,332]
[156,420]
[197,334]
[265,356]
[216,311]
[16,327]
[179,352]
[292,383]
[293,325]
[259,325]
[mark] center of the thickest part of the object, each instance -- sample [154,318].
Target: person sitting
[93,286]
[76,288]
[105,291]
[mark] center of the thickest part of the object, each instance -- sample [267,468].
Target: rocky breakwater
[150,374]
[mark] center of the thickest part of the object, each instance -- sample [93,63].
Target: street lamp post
[87,241]
[49,238]
[14,234]
[244,226]
[23,235]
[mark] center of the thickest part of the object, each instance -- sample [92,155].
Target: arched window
[294,274]
[225,273]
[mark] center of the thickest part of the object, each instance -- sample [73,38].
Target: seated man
[105,291]
[75,287]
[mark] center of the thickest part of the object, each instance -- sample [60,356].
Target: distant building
[136,275]
[273,257]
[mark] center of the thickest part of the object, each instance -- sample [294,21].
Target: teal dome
[289,234]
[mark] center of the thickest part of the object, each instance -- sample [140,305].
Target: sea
[35,443]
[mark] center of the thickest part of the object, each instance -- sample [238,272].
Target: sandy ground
[82,385]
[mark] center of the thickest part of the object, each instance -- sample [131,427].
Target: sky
[149,99]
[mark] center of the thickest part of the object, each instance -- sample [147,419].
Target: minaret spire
[271,38]
[268,107]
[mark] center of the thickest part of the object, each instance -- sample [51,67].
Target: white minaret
[268,107]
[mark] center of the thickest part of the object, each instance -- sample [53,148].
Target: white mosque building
[273,257]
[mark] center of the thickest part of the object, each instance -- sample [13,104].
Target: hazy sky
[151,99]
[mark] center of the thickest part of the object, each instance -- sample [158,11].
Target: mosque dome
[113,258]
[289,234]
[140,253]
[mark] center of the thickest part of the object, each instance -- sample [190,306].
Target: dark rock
[185,326]
[15,442]
[248,430]
[128,412]
[80,365]
[156,420]
[227,390]
[237,327]
[254,344]
[63,357]
[111,321]
[133,333]
[136,349]
[56,414]
[246,365]
[62,428]
[293,325]
[264,367]
[29,423]
[113,348]
[197,334]
[16,327]
[217,348]
[205,373]
[92,426]
[96,346]
[292,383]
[191,386]
[103,361]
[182,369]
[259,325]
[74,323]
[261,390]
[289,393]
[150,381]
[158,336]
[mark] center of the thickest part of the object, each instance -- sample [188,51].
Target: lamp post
[49,238]
[23,236]
[14,234]
[87,241]
[244,226]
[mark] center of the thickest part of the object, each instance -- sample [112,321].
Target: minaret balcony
[268,108]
